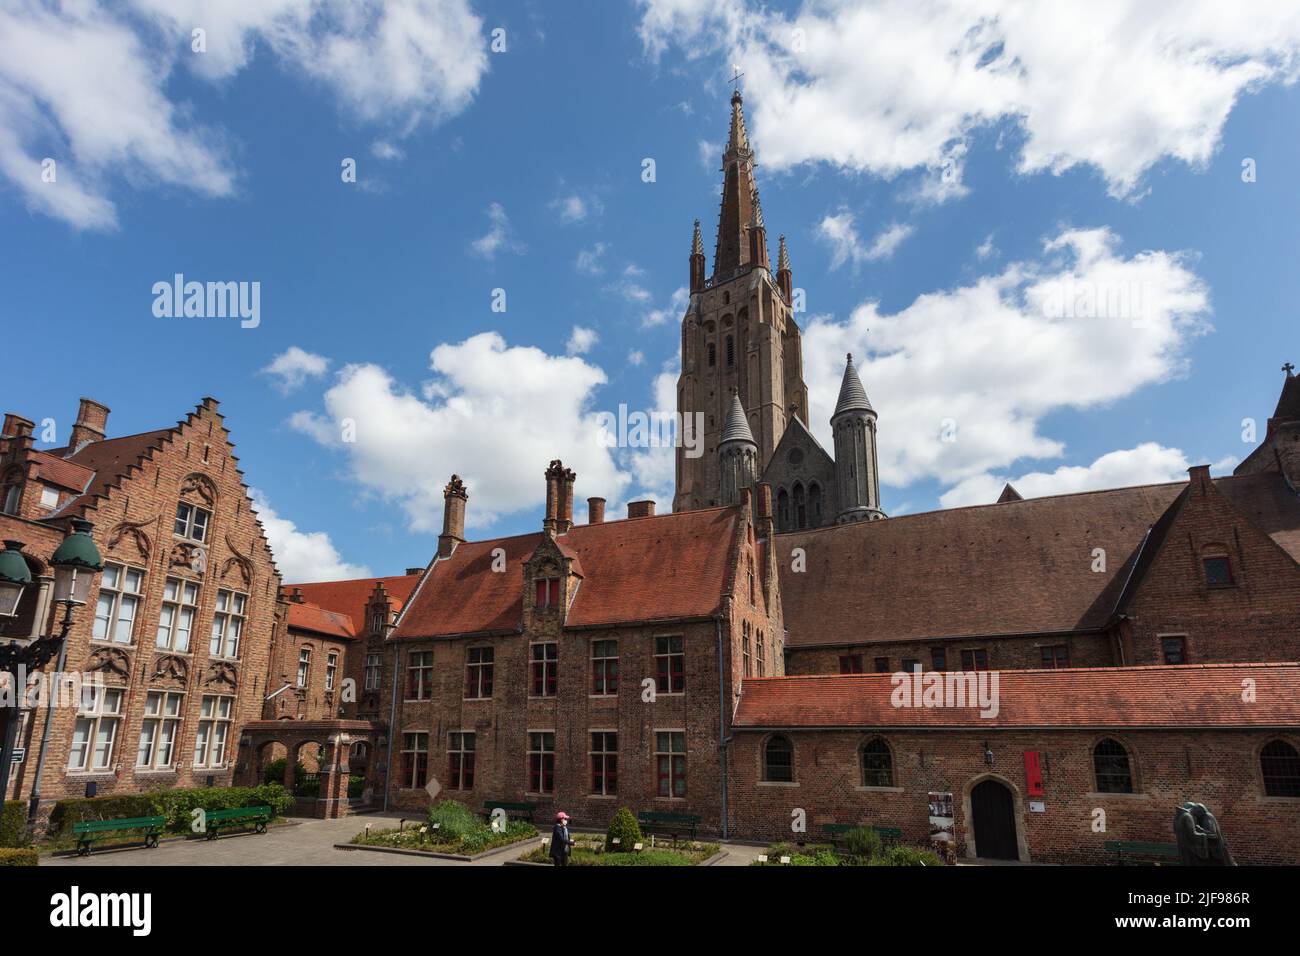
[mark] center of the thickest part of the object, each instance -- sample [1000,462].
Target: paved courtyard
[305,842]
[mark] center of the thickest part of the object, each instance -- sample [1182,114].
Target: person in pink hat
[561,842]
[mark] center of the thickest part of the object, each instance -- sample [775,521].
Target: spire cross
[735,80]
[1288,368]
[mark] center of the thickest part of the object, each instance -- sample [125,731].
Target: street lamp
[76,562]
[14,578]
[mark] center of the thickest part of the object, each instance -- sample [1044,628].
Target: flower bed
[590,851]
[452,828]
[824,854]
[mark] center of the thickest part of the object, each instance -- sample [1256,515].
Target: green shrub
[74,810]
[273,772]
[862,843]
[13,825]
[456,821]
[625,828]
[907,856]
[176,805]
[10,857]
[356,786]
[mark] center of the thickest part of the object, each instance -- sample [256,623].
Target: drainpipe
[392,718]
[724,740]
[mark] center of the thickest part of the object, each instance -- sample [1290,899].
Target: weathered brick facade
[196,564]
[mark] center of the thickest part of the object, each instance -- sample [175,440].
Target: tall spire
[737,455]
[784,280]
[697,260]
[853,397]
[739,197]
[737,426]
[697,241]
[782,257]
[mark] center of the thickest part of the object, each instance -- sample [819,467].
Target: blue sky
[938,198]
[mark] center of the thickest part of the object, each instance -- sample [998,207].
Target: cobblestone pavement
[303,842]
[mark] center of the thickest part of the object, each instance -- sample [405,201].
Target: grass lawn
[825,854]
[590,851]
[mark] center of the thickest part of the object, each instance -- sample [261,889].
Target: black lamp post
[75,563]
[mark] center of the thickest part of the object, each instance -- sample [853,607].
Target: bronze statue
[1200,841]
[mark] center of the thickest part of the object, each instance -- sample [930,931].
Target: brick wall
[1004,653]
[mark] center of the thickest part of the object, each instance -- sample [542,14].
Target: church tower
[739,336]
[857,482]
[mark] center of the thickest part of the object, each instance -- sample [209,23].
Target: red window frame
[670,765]
[460,760]
[604,762]
[478,673]
[670,665]
[541,762]
[604,668]
[548,592]
[419,675]
[545,663]
[415,765]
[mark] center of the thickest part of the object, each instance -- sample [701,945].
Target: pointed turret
[1009,493]
[739,195]
[737,455]
[1279,451]
[757,236]
[784,280]
[697,260]
[854,427]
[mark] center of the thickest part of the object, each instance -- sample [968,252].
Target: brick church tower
[739,336]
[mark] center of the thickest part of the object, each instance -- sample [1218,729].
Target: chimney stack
[595,511]
[1199,476]
[297,597]
[559,498]
[641,509]
[411,571]
[454,497]
[92,419]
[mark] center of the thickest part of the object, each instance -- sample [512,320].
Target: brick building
[179,624]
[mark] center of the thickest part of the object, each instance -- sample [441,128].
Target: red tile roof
[309,617]
[668,567]
[1017,567]
[66,474]
[351,598]
[1197,695]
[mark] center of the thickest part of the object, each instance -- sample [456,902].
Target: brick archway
[325,793]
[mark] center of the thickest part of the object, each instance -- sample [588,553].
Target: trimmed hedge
[13,825]
[10,857]
[176,805]
[626,829]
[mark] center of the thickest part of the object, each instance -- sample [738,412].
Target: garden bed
[590,851]
[452,830]
[825,854]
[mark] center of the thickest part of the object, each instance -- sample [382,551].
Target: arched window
[800,507]
[1281,765]
[1111,765]
[815,504]
[778,760]
[731,351]
[782,510]
[877,764]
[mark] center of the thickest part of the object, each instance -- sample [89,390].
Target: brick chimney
[411,571]
[1199,476]
[595,510]
[296,597]
[641,509]
[454,497]
[763,509]
[92,419]
[559,498]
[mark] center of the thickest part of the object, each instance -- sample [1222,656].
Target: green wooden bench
[673,824]
[88,831]
[217,820]
[835,832]
[1148,853]
[513,810]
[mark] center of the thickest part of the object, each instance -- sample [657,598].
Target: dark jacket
[561,843]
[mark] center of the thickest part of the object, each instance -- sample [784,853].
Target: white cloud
[382,149]
[87,84]
[840,233]
[673,312]
[499,237]
[899,87]
[630,288]
[303,556]
[589,260]
[581,339]
[635,357]
[1147,464]
[573,208]
[985,363]
[294,366]
[477,417]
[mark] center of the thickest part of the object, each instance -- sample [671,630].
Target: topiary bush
[456,821]
[907,856]
[13,825]
[626,829]
[11,857]
[862,843]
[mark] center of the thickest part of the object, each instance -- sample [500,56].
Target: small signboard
[1033,773]
[19,754]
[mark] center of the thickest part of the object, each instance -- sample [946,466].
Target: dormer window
[49,497]
[548,592]
[1218,571]
[192,522]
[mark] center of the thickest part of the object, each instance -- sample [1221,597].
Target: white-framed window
[227,624]
[95,735]
[160,730]
[192,522]
[331,668]
[214,729]
[670,762]
[304,666]
[176,618]
[49,497]
[119,600]
[372,672]
[415,760]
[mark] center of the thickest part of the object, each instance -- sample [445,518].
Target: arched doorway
[993,819]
